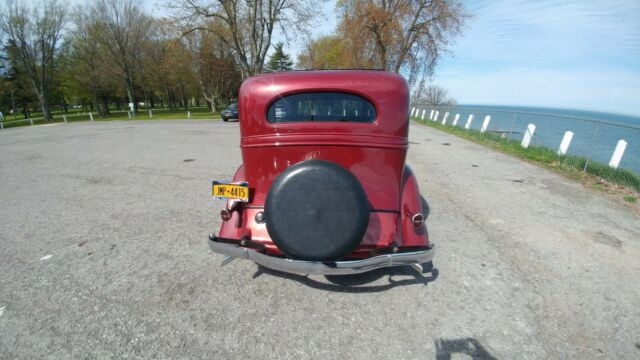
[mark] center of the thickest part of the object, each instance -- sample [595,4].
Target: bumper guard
[414,259]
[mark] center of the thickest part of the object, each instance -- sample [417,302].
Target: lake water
[595,134]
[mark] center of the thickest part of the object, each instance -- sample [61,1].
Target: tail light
[417,220]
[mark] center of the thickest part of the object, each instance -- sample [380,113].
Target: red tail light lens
[417,220]
[225,215]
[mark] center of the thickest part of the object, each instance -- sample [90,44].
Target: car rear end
[323,160]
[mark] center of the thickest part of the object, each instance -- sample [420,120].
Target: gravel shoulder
[103,254]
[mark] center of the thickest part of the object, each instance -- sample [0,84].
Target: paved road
[103,254]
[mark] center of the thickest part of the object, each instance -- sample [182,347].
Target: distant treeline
[110,53]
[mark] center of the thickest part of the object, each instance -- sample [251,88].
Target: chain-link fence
[609,150]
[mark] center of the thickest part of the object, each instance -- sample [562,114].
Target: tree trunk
[130,90]
[169,100]
[13,103]
[131,98]
[44,105]
[185,102]
[104,108]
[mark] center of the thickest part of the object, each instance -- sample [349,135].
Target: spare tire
[317,211]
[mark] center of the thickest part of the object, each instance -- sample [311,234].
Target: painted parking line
[46,257]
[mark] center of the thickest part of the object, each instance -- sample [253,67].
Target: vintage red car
[323,187]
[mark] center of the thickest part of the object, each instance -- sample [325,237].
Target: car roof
[387,91]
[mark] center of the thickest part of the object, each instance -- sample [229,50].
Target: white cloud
[524,29]
[616,91]
[568,54]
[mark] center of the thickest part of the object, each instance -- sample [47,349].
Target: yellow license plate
[235,190]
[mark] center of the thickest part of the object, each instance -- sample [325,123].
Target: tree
[399,35]
[326,52]
[279,61]
[87,60]
[122,29]
[215,67]
[16,89]
[33,36]
[433,95]
[246,26]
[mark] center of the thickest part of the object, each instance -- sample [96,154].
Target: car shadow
[426,209]
[445,348]
[361,283]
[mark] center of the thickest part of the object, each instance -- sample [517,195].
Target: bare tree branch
[34,35]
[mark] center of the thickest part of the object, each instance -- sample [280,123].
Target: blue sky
[562,54]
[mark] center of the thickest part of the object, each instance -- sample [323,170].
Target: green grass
[143,114]
[573,166]
[630,198]
[37,114]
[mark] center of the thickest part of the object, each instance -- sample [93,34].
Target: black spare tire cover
[316,210]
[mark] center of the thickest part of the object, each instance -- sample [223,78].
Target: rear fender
[411,204]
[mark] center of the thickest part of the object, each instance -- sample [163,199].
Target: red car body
[374,152]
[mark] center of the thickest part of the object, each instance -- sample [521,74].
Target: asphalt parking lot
[103,254]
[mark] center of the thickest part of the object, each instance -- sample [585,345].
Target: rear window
[321,106]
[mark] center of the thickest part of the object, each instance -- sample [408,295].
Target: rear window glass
[321,106]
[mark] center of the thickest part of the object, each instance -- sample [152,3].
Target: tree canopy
[403,36]
[108,54]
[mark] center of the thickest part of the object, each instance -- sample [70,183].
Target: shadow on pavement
[471,347]
[426,209]
[359,283]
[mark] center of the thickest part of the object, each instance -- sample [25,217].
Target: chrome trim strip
[324,268]
[370,210]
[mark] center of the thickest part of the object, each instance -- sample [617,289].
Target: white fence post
[469,121]
[91,116]
[431,114]
[455,120]
[31,121]
[412,111]
[129,114]
[150,114]
[423,112]
[564,144]
[526,139]
[485,123]
[64,117]
[435,115]
[444,119]
[189,114]
[617,154]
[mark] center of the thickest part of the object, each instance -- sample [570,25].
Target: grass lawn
[143,114]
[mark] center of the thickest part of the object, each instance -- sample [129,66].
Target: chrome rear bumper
[326,268]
